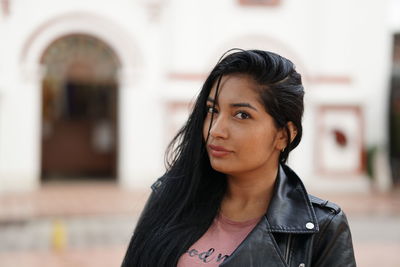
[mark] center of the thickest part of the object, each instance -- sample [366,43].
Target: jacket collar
[290,209]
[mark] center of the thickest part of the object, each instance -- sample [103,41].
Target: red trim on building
[319,79]
[187,76]
[5,7]
[330,79]
[259,2]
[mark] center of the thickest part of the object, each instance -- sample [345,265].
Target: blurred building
[96,89]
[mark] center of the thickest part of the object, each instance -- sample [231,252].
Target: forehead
[236,87]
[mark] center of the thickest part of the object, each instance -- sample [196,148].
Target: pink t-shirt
[220,240]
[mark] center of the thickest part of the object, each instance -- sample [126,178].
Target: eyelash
[211,109]
[244,113]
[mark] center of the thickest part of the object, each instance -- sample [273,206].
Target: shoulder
[325,209]
[333,243]
[329,214]
[324,205]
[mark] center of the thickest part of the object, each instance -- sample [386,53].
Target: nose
[219,127]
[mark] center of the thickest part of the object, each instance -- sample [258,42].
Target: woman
[227,197]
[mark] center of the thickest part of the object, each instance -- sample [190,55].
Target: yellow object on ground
[59,235]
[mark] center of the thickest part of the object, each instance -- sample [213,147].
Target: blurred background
[91,92]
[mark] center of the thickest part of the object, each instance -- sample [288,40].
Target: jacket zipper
[289,243]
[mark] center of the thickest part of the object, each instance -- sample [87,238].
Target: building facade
[98,88]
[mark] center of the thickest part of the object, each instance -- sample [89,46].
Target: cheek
[205,128]
[260,142]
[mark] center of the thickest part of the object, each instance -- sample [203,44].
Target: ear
[282,139]
[293,131]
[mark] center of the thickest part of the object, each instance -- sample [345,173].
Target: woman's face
[243,137]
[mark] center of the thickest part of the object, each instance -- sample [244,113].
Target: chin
[225,168]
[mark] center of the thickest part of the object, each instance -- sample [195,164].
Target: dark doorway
[79,122]
[394,113]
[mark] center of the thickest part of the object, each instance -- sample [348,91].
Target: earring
[283,150]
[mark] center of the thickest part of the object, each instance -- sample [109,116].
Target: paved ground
[89,224]
[374,219]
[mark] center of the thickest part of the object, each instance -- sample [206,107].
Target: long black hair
[188,196]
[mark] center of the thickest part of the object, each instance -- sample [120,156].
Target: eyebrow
[246,105]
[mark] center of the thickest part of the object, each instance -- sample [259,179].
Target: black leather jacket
[299,230]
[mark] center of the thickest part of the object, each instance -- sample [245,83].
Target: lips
[218,151]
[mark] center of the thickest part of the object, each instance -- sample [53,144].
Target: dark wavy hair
[186,199]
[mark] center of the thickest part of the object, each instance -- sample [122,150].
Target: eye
[211,109]
[242,115]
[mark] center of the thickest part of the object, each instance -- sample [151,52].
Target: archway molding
[126,49]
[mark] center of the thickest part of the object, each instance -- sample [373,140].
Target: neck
[248,196]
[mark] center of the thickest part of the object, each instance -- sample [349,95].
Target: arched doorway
[79,109]
[394,113]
